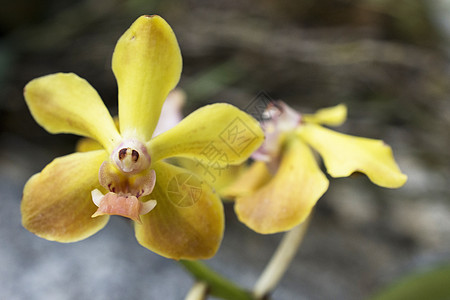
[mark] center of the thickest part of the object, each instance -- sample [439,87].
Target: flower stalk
[280,260]
[218,286]
[198,291]
[221,287]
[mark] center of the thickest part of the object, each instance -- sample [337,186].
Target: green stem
[217,285]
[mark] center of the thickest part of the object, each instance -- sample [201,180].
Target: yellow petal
[57,203]
[219,180]
[66,103]
[289,197]
[147,65]
[215,136]
[188,220]
[248,181]
[87,144]
[331,116]
[344,154]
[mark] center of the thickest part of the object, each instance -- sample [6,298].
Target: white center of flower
[131,157]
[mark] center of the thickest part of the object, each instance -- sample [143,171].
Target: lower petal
[57,203]
[187,222]
[250,180]
[344,154]
[289,197]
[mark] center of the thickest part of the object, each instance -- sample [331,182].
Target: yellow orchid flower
[281,187]
[217,176]
[175,213]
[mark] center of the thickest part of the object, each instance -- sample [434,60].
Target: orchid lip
[125,191]
[123,205]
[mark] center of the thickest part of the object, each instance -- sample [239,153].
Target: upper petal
[57,203]
[188,220]
[215,135]
[331,116]
[289,197]
[66,103]
[147,65]
[344,154]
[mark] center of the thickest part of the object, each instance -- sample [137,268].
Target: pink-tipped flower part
[124,194]
[278,119]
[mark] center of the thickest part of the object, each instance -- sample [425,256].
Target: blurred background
[386,60]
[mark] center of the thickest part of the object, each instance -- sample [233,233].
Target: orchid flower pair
[126,169]
[175,213]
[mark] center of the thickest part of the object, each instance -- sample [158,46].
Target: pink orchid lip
[124,192]
[122,205]
[279,118]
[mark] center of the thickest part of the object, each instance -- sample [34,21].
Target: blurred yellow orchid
[279,190]
[176,214]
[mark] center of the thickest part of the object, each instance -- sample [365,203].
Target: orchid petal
[344,154]
[227,139]
[331,116]
[188,220]
[147,65]
[87,144]
[57,203]
[66,103]
[220,180]
[289,197]
[250,180]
